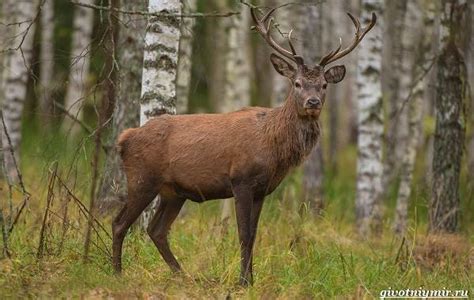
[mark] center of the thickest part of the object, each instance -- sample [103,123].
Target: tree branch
[157,14]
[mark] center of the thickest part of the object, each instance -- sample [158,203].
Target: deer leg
[159,227]
[122,222]
[243,208]
[255,216]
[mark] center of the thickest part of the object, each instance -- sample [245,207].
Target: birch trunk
[184,58]
[309,40]
[16,74]
[370,123]
[126,112]
[160,60]
[47,61]
[76,92]
[397,123]
[450,124]
[237,75]
[413,44]
[5,32]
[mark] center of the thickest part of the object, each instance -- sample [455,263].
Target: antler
[359,35]
[264,28]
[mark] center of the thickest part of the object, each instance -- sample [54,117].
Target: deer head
[308,83]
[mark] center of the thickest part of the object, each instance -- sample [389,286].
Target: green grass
[296,256]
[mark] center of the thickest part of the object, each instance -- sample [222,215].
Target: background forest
[384,201]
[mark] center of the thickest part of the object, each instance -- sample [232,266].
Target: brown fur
[199,156]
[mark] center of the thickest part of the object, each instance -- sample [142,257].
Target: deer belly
[200,188]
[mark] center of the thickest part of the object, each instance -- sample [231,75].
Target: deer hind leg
[166,213]
[138,200]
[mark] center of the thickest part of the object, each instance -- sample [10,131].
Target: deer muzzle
[313,103]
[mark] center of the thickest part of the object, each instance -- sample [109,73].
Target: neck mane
[291,136]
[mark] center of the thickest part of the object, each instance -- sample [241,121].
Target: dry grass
[444,251]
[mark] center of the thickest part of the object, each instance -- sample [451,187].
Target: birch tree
[237,75]
[370,122]
[413,55]
[47,61]
[160,59]
[15,76]
[450,121]
[126,112]
[76,92]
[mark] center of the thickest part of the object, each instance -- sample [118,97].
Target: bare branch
[157,14]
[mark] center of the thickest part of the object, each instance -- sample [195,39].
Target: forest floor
[296,255]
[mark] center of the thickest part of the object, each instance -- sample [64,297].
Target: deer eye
[325,86]
[297,84]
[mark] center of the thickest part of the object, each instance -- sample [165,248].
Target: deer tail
[123,139]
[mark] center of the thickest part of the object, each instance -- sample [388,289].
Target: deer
[243,154]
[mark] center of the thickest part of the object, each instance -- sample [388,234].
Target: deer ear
[282,66]
[335,74]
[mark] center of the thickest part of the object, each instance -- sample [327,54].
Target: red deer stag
[244,154]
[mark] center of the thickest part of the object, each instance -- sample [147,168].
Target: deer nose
[314,103]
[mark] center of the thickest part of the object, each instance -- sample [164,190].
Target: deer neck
[292,136]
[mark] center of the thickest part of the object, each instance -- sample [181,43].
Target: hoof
[245,282]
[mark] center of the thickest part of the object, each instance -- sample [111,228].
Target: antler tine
[264,29]
[265,18]
[291,44]
[355,21]
[359,35]
[324,60]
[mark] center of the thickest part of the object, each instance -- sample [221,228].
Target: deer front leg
[255,216]
[243,209]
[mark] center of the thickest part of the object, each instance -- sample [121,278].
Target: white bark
[370,122]
[412,41]
[16,74]
[76,92]
[160,60]
[237,75]
[184,58]
[47,60]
